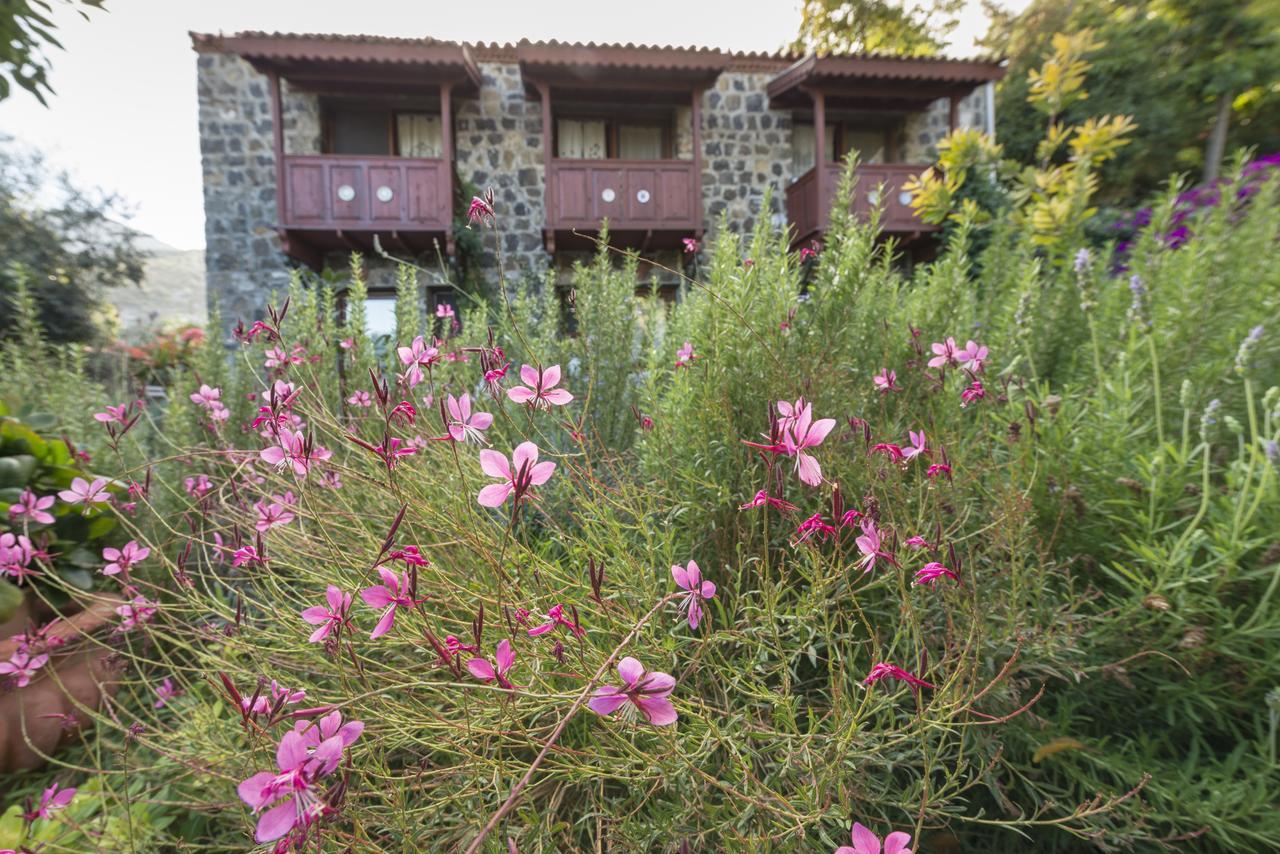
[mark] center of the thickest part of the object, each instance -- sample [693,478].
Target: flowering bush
[934,556]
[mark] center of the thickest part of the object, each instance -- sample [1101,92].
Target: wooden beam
[695,116]
[548,150]
[820,154]
[953,113]
[277,138]
[446,152]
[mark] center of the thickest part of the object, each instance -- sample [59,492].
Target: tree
[65,243]
[26,30]
[1155,62]
[901,27]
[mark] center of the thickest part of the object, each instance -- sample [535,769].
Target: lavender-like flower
[1246,349]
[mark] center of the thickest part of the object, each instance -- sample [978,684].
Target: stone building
[314,146]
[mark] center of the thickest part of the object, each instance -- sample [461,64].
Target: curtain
[418,135]
[802,148]
[640,142]
[578,139]
[869,144]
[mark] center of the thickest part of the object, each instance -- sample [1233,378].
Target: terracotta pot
[33,719]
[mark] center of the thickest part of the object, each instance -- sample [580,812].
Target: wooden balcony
[650,204]
[809,210]
[335,201]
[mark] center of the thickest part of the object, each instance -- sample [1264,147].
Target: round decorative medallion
[873,197]
[385,194]
[904,198]
[642,196]
[608,195]
[346,192]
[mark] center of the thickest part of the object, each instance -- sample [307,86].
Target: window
[650,135]
[872,144]
[579,138]
[380,314]
[378,131]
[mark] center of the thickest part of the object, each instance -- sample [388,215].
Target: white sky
[124,116]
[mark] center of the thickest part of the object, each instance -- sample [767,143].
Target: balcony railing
[344,193]
[634,195]
[876,183]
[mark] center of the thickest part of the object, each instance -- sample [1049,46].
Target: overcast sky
[124,116]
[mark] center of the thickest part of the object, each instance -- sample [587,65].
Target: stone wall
[924,130]
[746,152]
[243,260]
[499,146]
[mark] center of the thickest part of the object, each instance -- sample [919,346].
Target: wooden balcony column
[820,148]
[292,248]
[446,154]
[548,152]
[695,116]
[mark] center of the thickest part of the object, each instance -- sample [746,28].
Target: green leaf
[16,470]
[10,599]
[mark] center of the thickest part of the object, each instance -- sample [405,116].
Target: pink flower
[541,392]
[444,310]
[803,433]
[889,449]
[245,554]
[690,245]
[32,508]
[210,398]
[455,646]
[465,425]
[417,356]
[918,446]
[807,252]
[392,594]
[972,393]
[518,475]
[813,528]
[264,703]
[869,545]
[199,486]
[360,398]
[866,842]
[295,790]
[328,617]
[481,210]
[16,555]
[917,542]
[51,800]
[133,614]
[893,671]
[114,414]
[939,469]
[690,579]
[886,381]
[931,572]
[165,692]
[945,353]
[347,343]
[293,451]
[974,356]
[503,657]
[23,666]
[763,498]
[556,617]
[685,355]
[88,494]
[270,515]
[649,693]
[122,560]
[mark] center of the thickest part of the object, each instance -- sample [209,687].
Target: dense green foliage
[1115,625]
[1163,62]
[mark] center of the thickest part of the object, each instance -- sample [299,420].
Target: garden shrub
[983,552]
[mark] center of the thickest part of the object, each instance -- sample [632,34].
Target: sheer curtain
[640,142]
[580,138]
[418,135]
[802,148]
